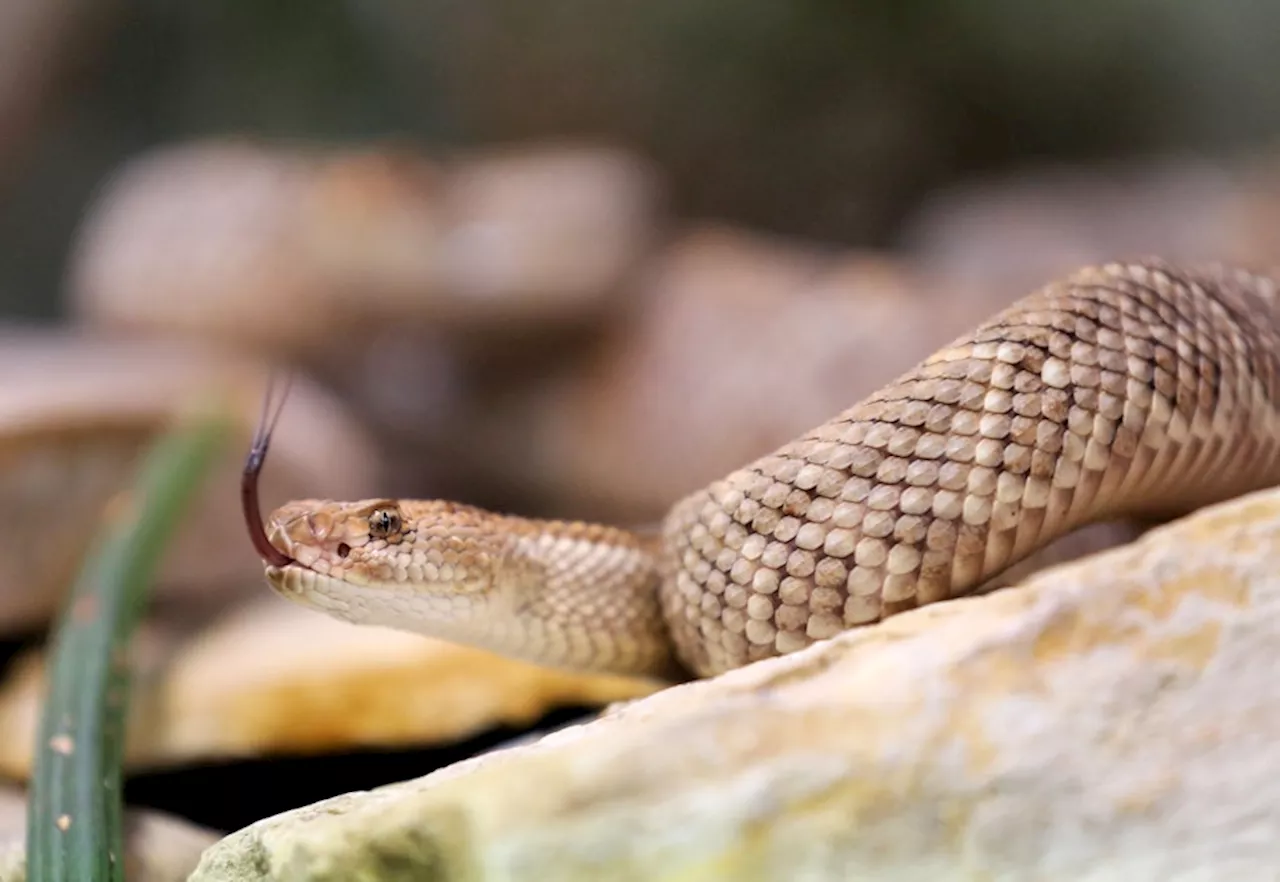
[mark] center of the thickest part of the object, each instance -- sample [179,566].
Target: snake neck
[584,597]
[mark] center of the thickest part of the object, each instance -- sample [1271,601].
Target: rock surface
[272,677]
[1114,718]
[158,847]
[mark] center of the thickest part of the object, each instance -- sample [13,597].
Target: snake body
[1136,390]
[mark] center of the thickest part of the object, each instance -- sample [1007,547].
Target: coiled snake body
[1137,390]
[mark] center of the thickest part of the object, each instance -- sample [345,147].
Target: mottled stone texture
[1114,718]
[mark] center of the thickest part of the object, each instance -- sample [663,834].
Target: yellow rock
[273,677]
[1114,718]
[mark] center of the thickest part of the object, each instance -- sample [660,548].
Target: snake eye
[384,522]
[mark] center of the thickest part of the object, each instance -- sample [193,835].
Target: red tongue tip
[249,478]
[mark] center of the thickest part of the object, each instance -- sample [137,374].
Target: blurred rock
[735,343]
[158,847]
[1016,231]
[1114,718]
[234,240]
[1252,223]
[315,250]
[542,233]
[75,413]
[272,678]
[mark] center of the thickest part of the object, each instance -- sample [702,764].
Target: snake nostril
[343,549]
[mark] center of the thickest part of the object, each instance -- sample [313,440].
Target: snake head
[386,561]
[565,594]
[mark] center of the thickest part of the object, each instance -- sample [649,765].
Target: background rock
[284,249]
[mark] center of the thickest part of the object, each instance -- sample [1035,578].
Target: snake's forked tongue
[253,468]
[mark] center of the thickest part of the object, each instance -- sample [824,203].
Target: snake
[1135,390]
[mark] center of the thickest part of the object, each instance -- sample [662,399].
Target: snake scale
[1138,390]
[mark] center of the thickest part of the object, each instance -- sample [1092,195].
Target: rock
[206,239]
[735,343]
[1011,233]
[542,233]
[291,250]
[272,678]
[1250,222]
[158,847]
[1113,718]
[76,410]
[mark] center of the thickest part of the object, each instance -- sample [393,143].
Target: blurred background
[561,258]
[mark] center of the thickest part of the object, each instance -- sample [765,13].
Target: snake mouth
[282,582]
[300,584]
[297,583]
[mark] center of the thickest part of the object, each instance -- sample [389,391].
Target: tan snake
[1137,390]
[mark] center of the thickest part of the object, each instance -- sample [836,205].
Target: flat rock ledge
[1113,718]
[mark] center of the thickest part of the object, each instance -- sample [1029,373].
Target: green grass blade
[74,830]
